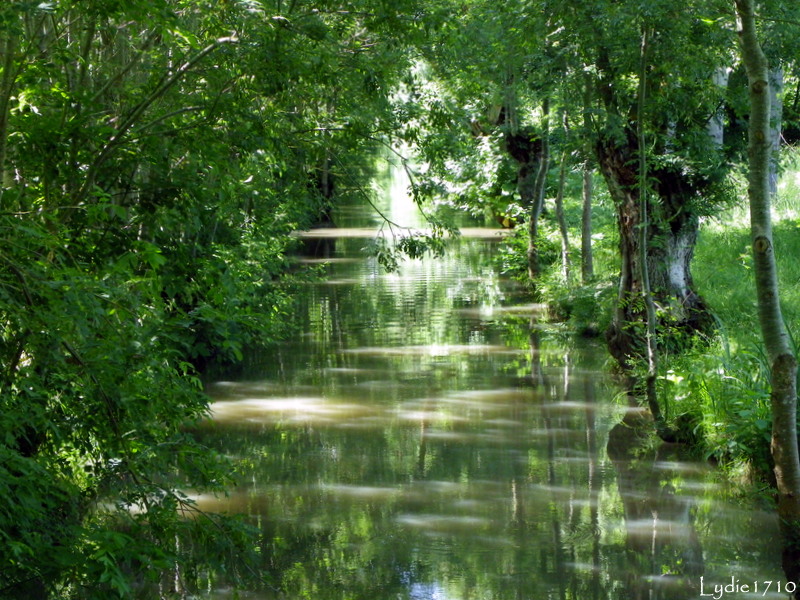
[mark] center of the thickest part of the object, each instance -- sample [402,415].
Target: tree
[685,171]
[154,158]
[783,363]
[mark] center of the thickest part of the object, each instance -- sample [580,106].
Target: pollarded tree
[685,171]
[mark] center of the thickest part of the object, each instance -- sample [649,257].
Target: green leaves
[153,171]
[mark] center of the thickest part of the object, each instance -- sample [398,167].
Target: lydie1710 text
[718,591]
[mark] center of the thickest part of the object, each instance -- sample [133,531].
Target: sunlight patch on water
[341,281]
[561,433]
[428,416]
[447,436]
[360,492]
[494,395]
[585,567]
[434,350]
[216,503]
[348,370]
[487,406]
[662,529]
[240,389]
[686,468]
[506,423]
[442,523]
[569,406]
[427,591]
[491,311]
[331,260]
[440,487]
[476,233]
[297,409]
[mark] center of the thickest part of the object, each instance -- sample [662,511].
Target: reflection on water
[423,441]
[660,529]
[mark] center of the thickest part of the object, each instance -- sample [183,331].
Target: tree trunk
[7,83]
[561,218]
[536,203]
[671,238]
[775,120]
[716,124]
[783,362]
[587,263]
[644,227]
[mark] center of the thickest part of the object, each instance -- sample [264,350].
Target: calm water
[401,448]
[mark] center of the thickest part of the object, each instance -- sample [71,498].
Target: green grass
[723,274]
[722,383]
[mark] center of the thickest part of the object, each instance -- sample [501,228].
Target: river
[428,435]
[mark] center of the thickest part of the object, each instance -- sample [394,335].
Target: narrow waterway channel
[400,447]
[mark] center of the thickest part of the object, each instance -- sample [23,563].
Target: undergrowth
[585,306]
[723,381]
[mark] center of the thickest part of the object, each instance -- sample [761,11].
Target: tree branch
[117,139]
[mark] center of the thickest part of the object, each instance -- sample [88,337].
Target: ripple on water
[432,350]
[437,524]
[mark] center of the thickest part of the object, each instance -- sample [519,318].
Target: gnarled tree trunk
[672,233]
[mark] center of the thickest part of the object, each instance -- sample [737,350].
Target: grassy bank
[717,387]
[721,384]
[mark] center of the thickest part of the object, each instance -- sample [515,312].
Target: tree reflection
[423,441]
[594,483]
[662,545]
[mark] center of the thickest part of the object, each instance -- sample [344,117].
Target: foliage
[154,159]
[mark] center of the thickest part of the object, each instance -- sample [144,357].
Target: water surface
[429,436]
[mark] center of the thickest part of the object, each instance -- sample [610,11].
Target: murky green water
[399,448]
